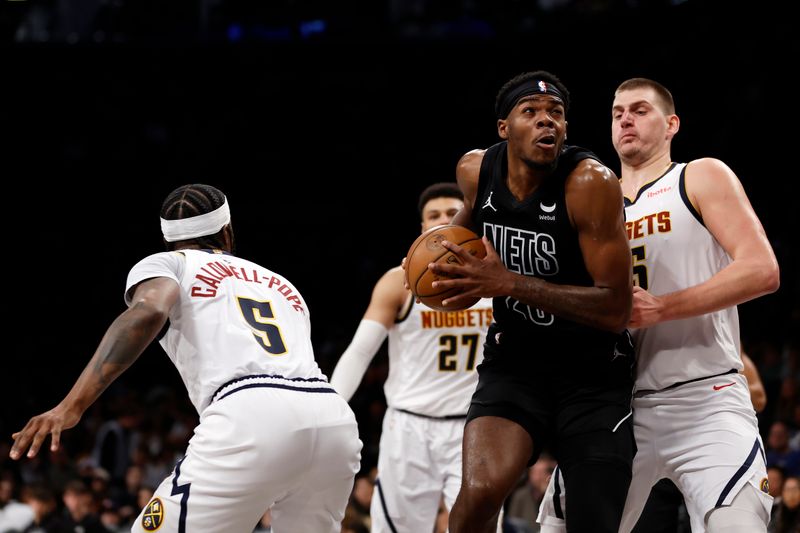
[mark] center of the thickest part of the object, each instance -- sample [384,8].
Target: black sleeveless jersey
[534,237]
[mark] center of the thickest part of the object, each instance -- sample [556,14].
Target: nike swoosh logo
[548,208]
[720,387]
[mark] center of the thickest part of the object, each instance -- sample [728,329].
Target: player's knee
[745,514]
[476,506]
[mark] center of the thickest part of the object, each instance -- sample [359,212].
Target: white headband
[199,226]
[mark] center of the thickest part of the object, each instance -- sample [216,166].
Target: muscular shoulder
[592,175]
[388,298]
[468,173]
[391,287]
[709,176]
[593,193]
[470,163]
[708,169]
[393,275]
[160,265]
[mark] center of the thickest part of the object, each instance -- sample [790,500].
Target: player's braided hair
[189,201]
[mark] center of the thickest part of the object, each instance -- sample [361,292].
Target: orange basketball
[427,248]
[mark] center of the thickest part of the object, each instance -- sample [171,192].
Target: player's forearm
[356,358]
[599,307]
[737,283]
[124,341]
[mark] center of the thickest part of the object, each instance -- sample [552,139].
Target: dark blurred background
[322,122]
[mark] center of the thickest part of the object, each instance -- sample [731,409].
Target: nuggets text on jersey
[480,317]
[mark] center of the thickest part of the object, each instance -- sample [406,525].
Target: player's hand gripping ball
[427,248]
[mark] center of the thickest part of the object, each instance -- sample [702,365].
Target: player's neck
[636,176]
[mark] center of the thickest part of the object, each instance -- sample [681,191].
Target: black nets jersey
[534,237]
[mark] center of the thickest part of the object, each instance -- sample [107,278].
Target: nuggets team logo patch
[153,515]
[764,485]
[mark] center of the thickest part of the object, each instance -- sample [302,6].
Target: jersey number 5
[258,316]
[639,267]
[448,358]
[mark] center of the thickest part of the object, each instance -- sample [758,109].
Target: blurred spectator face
[133,477]
[40,508]
[110,519]
[778,436]
[79,503]
[791,492]
[41,500]
[6,491]
[539,474]
[99,481]
[788,388]
[775,477]
[143,496]
[362,491]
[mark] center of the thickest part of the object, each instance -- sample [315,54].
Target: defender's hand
[31,437]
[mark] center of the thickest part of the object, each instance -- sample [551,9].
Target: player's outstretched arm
[124,341]
[388,297]
[718,196]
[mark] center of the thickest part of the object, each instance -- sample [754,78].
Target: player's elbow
[618,323]
[616,320]
[770,277]
[148,317]
[763,277]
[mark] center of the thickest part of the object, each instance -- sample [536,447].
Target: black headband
[526,89]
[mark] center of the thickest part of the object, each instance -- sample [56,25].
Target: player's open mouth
[548,141]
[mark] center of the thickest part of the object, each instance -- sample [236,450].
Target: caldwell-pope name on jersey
[648,225]
[215,272]
[459,319]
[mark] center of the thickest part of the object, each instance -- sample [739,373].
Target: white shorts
[552,509]
[704,437]
[294,451]
[701,435]
[419,461]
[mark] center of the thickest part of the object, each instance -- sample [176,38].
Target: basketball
[427,248]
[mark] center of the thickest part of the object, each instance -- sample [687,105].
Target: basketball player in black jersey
[557,360]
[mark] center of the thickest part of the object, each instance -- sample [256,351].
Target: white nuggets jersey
[432,359]
[673,250]
[234,318]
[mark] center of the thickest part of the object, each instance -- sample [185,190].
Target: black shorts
[558,394]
